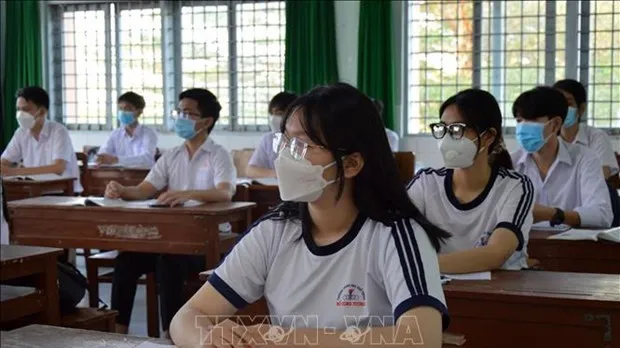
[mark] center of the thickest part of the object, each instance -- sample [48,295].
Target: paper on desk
[36,177]
[612,234]
[544,226]
[470,276]
[145,204]
[148,344]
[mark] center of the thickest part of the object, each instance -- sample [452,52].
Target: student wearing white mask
[346,244]
[477,197]
[132,144]
[39,145]
[570,187]
[576,132]
[261,164]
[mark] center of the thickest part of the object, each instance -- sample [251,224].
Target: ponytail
[499,156]
[502,159]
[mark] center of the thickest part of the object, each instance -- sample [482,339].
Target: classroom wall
[347,20]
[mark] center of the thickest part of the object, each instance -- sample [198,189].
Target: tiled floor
[137,327]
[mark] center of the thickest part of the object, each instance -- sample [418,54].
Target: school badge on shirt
[351,296]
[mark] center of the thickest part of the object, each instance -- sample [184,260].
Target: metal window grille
[84,82]
[138,64]
[100,49]
[507,47]
[440,57]
[604,64]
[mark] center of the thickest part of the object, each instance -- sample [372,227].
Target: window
[507,47]
[158,49]
[83,65]
[604,58]
[440,57]
[139,59]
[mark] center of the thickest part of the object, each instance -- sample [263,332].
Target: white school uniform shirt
[137,150]
[506,202]
[54,143]
[392,139]
[4,227]
[370,277]
[574,183]
[211,165]
[598,141]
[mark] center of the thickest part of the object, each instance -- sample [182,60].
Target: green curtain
[310,54]
[376,63]
[22,57]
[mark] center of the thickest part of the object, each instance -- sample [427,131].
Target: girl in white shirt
[346,249]
[477,197]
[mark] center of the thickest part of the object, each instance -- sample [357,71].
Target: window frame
[171,51]
[576,58]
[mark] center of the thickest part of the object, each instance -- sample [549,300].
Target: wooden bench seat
[19,302]
[91,319]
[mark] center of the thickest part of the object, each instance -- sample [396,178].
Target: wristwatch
[557,218]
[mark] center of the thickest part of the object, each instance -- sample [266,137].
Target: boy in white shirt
[132,144]
[392,136]
[261,165]
[575,132]
[570,187]
[42,146]
[198,170]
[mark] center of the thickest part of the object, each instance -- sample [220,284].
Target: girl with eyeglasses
[346,255]
[477,197]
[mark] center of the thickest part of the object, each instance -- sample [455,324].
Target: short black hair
[573,87]
[379,105]
[281,101]
[36,95]
[132,98]
[208,105]
[540,101]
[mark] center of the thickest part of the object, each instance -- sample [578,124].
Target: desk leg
[69,189]
[213,245]
[48,281]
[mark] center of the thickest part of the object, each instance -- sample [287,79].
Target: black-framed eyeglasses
[456,130]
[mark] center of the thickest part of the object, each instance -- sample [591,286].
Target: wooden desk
[19,261]
[42,336]
[20,189]
[97,178]
[574,255]
[537,309]
[265,197]
[55,221]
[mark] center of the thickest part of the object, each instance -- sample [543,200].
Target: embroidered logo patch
[351,296]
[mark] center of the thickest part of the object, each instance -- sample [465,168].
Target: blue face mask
[125,117]
[531,136]
[184,127]
[571,117]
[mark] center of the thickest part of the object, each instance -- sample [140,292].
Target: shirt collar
[208,145]
[136,132]
[46,129]
[563,155]
[582,136]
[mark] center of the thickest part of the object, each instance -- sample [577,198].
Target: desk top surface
[541,284]
[35,336]
[12,253]
[43,336]
[97,168]
[72,203]
[12,181]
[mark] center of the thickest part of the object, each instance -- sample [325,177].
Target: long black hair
[344,121]
[481,112]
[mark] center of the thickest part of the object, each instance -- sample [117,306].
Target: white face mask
[25,119]
[300,180]
[458,153]
[274,123]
